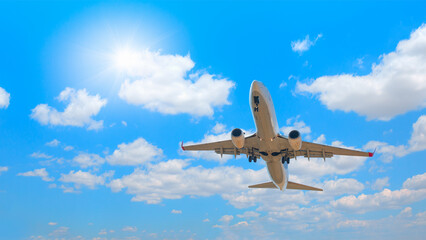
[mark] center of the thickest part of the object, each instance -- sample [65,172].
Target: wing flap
[298,186]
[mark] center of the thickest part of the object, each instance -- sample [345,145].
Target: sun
[125,59]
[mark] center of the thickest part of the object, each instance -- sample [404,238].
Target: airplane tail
[290,185]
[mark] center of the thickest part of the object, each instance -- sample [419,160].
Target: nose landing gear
[252,158]
[285,159]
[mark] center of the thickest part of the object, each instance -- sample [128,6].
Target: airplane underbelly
[263,119]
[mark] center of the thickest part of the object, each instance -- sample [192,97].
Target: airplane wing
[251,147]
[315,150]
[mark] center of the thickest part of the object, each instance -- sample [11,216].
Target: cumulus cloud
[416,143]
[4,98]
[79,111]
[88,179]
[38,173]
[174,179]
[296,124]
[301,46]
[86,160]
[414,190]
[135,153]
[3,169]
[380,183]
[399,73]
[416,182]
[163,83]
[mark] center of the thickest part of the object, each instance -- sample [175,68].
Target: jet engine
[237,136]
[295,140]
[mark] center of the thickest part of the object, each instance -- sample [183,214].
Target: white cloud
[206,220]
[176,211]
[342,186]
[53,143]
[301,46]
[352,224]
[418,137]
[61,231]
[320,139]
[174,179]
[380,183]
[399,73]
[414,190]
[296,124]
[135,153]
[226,218]
[38,173]
[416,143]
[416,182]
[161,83]
[4,98]
[80,178]
[219,128]
[124,123]
[3,169]
[40,155]
[86,160]
[79,111]
[249,214]
[68,148]
[129,229]
[52,223]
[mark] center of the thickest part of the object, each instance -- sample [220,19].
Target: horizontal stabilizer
[264,185]
[298,186]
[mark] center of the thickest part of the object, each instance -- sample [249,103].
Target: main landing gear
[252,158]
[285,159]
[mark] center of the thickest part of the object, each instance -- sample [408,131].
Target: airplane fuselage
[267,131]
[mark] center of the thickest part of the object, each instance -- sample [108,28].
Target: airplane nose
[256,85]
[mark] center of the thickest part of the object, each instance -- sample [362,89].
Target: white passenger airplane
[268,144]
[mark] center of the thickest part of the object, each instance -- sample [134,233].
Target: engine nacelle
[237,136]
[295,140]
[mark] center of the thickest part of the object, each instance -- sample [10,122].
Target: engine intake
[295,140]
[237,136]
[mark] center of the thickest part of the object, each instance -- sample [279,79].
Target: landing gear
[252,158]
[285,159]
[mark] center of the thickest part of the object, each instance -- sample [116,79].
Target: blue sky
[96,96]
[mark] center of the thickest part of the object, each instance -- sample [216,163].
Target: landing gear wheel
[250,158]
[254,159]
[285,159]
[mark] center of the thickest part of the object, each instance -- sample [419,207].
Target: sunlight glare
[125,59]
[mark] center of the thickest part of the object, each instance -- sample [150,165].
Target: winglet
[181,145]
[370,154]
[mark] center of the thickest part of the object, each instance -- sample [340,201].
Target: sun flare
[125,59]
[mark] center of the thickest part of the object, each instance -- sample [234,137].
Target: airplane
[267,143]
